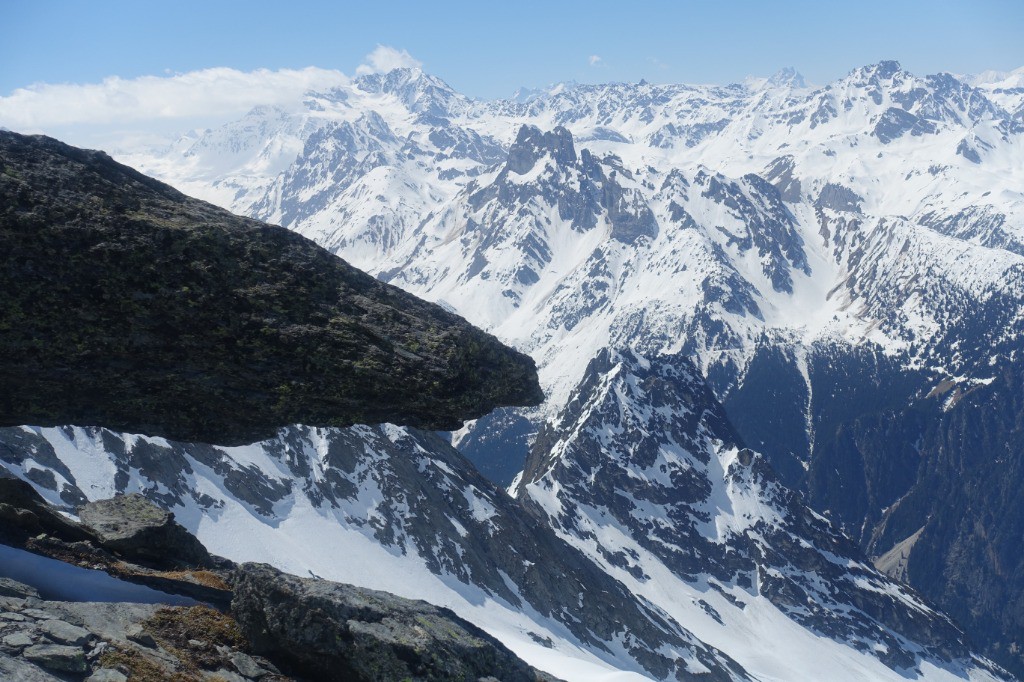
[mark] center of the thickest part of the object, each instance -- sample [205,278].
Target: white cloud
[385,58]
[124,113]
[209,93]
[595,60]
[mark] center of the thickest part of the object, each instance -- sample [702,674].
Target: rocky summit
[129,305]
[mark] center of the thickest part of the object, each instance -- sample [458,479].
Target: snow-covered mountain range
[718,214]
[732,293]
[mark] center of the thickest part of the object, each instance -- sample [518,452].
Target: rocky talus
[116,642]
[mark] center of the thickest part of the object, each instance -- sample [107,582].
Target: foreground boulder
[330,631]
[128,537]
[135,528]
[127,304]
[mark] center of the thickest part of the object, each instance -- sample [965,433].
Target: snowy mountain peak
[787,77]
[421,92]
[885,70]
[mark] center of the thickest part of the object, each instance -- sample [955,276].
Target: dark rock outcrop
[126,304]
[531,144]
[330,631]
[923,472]
[24,515]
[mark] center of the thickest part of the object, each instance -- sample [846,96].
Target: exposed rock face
[531,144]
[134,527]
[330,631]
[958,526]
[644,472]
[923,473]
[171,317]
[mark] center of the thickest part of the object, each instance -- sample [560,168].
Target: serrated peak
[788,77]
[532,143]
[886,69]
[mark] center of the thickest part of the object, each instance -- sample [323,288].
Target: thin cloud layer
[385,58]
[126,113]
[215,92]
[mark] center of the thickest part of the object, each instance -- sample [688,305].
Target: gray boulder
[329,631]
[12,588]
[134,527]
[65,633]
[57,657]
[13,668]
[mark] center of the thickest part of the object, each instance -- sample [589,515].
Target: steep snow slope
[643,473]
[385,508]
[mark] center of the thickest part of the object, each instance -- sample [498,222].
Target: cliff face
[126,304]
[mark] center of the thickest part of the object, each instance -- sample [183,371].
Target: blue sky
[488,49]
[116,74]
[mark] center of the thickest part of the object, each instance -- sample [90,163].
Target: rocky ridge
[645,474]
[172,317]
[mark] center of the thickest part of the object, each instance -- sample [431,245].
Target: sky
[61,60]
